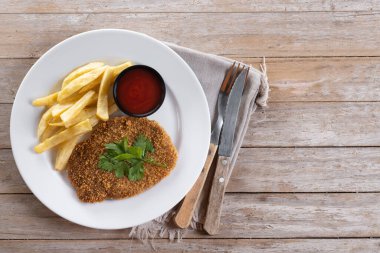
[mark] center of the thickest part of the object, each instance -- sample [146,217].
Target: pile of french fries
[74,110]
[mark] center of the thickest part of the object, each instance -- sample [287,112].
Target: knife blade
[231,114]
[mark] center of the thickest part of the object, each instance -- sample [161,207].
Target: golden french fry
[71,99]
[112,108]
[56,124]
[64,151]
[93,120]
[80,71]
[80,128]
[91,86]
[83,115]
[117,69]
[60,108]
[76,108]
[102,105]
[47,100]
[50,131]
[44,122]
[89,113]
[75,97]
[79,83]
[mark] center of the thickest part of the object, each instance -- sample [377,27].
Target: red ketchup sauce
[139,91]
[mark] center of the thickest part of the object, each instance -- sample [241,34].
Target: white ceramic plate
[184,115]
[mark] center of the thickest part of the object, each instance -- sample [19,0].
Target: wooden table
[308,175]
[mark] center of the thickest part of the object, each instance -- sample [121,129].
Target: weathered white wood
[192,245]
[5,114]
[246,34]
[243,216]
[272,170]
[12,71]
[306,170]
[291,79]
[324,79]
[72,6]
[315,124]
[10,178]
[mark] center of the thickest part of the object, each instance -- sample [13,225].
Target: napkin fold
[210,70]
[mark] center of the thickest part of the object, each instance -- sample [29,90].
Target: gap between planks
[204,238]
[361,12]
[193,245]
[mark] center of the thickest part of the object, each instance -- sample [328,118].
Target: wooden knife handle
[218,187]
[186,211]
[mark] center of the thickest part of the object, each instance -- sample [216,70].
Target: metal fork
[185,212]
[224,91]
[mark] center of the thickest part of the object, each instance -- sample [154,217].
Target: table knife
[219,183]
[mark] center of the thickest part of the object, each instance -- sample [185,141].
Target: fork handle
[186,211]
[218,187]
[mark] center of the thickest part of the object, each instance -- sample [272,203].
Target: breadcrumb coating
[93,184]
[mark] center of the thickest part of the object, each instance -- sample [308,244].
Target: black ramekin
[147,68]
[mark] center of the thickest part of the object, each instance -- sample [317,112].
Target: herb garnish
[125,160]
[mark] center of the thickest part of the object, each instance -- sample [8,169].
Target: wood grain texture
[215,202]
[315,124]
[5,115]
[192,245]
[306,170]
[291,79]
[272,170]
[10,178]
[246,34]
[243,216]
[12,71]
[72,6]
[323,79]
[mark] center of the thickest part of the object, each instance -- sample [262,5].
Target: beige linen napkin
[210,70]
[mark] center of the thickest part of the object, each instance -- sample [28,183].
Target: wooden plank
[5,114]
[246,34]
[315,124]
[273,170]
[306,170]
[293,124]
[10,178]
[192,245]
[291,79]
[12,71]
[324,79]
[244,216]
[72,6]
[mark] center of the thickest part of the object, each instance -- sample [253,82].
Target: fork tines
[231,76]
[227,78]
